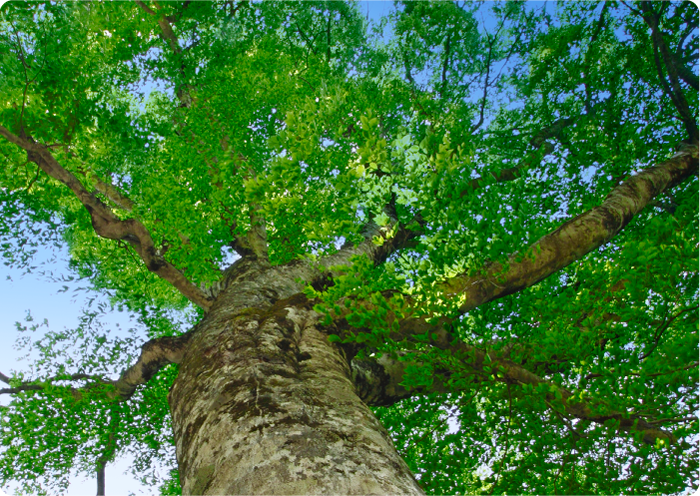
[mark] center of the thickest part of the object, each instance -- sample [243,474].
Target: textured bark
[264,404]
[575,238]
[155,354]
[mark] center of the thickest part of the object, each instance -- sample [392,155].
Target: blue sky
[47,300]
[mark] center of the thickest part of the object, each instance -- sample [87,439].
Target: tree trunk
[264,404]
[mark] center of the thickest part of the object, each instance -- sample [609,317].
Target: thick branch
[155,354]
[253,244]
[379,383]
[107,224]
[257,234]
[22,387]
[687,75]
[576,237]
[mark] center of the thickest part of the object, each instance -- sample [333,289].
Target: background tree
[484,228]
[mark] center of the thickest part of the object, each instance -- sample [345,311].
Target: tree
[463,258]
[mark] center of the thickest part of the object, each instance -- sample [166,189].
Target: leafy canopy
[483,125]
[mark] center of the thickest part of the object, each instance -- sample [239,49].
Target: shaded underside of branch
[379,384]
[378,380]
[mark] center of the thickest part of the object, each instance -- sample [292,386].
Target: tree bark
[264,404]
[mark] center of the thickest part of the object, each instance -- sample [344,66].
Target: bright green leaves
[372,153]
[71,423]
[485,126]
[437,441]
[360,296]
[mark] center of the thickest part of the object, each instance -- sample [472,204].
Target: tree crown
[446,184]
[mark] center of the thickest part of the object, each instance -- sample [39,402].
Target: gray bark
[264,404]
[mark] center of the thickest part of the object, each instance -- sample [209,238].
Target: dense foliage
[481,127]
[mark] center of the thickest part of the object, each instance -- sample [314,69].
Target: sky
[47,299]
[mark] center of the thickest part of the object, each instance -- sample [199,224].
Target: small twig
[660,330]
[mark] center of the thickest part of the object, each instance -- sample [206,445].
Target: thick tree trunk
[264,404]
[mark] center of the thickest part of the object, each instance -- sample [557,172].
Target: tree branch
[107,224]
[112,193]
[379,242]
[145,7]
[687,75]
[378,380]
[108,452]
[445,64]
[407,68]
[575,238]
[379,384]
[171,39]
[675,92]
[155,354]
[600,24]
[41,385]
[512,173]
[486,86]
[257,234]
[660,330]
[542,149]
[551,253]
